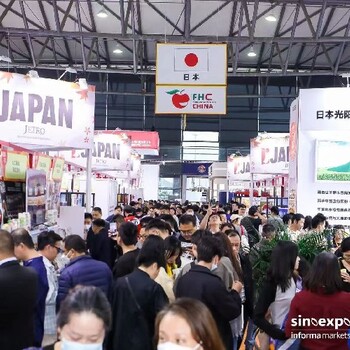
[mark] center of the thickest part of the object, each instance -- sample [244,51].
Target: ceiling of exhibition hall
[301,37]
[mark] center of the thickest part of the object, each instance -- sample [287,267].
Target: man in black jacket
[18,289]
[201,284]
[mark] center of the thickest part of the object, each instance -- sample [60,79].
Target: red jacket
[319,309]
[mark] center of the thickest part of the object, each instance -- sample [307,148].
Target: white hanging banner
[191,64]
[111,151]
[238,168]
[135,170]
[40,113]
[269,154]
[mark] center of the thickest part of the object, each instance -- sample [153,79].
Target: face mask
[70,345]
[87,227]
[64,259]
[172,346]
[214,267]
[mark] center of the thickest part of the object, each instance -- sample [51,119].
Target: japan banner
[191,59]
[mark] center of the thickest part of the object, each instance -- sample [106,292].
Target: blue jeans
[250,339]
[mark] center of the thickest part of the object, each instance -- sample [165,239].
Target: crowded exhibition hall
[174,175]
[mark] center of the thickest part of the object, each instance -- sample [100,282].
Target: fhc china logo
[198,100]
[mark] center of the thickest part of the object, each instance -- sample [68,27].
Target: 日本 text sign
[191,100]
[191,64]
[45,112]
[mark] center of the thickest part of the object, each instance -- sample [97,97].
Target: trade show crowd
[170,276]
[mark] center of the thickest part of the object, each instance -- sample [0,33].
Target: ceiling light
[5,59]
[271,18]
[118,51]
[251,52]
[102,13]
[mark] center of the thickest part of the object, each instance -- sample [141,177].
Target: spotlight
[118,51]
[102,13]
[251,52]
[271,18]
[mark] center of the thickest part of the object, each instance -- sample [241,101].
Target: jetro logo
[179,99]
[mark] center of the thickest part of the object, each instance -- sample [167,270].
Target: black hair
[87,216]
[172,246]
[253,210]
[345,245]
[98,209]
[85,299]
[170,220]
[7,245]
[145,220]
[187,219]
[152,251]
[48,238]
[129,210]
[297,217]
[308,222]
[118,218]
[198,235]
[99,223]
[75,242]
[165,207]
[207,248]
[128,233]
[226,224]
[118,207]
[304,267]
[324,276]
[159,225]
[282,265]
[21,235]
[318,219]
[275,210]
[241,205]
[268,230]
[286,218]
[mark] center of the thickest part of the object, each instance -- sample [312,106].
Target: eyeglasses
[59,250]
[144,236]
[187,233]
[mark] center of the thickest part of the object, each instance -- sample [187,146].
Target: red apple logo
[179,99]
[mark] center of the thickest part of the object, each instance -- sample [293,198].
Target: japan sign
[238,168]
[191,64]
[190,99]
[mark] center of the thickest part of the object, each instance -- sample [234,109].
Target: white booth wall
[150,181]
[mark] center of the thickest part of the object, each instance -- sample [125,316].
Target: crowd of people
[166,276]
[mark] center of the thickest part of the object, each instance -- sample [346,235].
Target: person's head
[127,234]
[242,209]
[118,219]
[171,221]
[268,231]
[345,249]
[253,210]
[196,237]
[235,240]
[23,243]
[159,228]
[226,226]
[222,215]
[7,246]
[74,246]
[297,222]
[324,275]
[225,245]
[187,323]
[236,219]
[284,261]
[152,256]
[214,220]
[165,209]
[143,224]
[172,249]
[338,233]
[307,223]
[275,210]
[179,210]
[98,225]
[118,210]
[319,222]
[87,220]
[128,210]
[209,251]
[287,219]
[96,213]
[172,211]
[49,244]
[84,317]
[234,206]
[187,226]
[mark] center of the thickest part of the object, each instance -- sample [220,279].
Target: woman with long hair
[187,324]
[278,290]
[321,299]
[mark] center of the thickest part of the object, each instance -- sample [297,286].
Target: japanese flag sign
[191,64]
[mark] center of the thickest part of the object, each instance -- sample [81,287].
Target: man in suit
[201,284]
[18,289]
